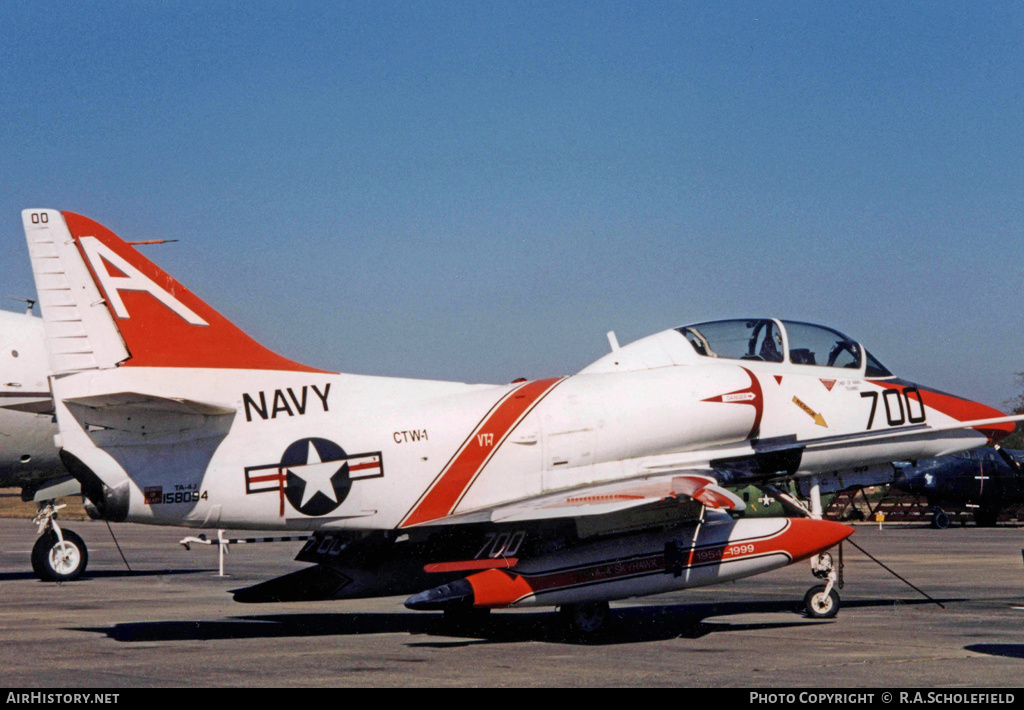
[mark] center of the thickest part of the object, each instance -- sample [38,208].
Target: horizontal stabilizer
[147,418]
[150,403]
[30,404]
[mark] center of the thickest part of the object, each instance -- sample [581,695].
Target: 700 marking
[501,545]
[895,412]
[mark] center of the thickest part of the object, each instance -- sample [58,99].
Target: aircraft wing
[922,430]
[782,455]
[697,486]
[695,476]
[32,403]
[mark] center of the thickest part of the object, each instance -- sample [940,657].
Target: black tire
[940,520]
[820,606]
[53,561]
[585,621]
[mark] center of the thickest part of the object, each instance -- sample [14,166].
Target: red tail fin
[162,323]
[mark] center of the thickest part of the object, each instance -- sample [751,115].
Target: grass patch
[12,506]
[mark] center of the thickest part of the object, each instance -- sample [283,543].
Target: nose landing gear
[822,600]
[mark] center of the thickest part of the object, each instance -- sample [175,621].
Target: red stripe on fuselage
[963,410]
[456,478]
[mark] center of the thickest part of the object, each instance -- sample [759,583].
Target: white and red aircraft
[569,491]
[28,458]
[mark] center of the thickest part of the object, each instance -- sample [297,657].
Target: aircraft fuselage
[320,451]
[28,456]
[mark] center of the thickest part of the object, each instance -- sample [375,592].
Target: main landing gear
[940,519]
[58,555]
[984,517]
[586,620]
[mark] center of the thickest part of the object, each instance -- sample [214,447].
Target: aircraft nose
[807,536]
[959,408]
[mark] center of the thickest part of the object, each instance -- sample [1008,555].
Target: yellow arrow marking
[818,419]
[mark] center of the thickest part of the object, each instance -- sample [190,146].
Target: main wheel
[940,520]
[56,561]
[820,605]
[986,517]
[586,620]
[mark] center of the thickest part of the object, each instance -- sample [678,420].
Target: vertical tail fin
[104,305]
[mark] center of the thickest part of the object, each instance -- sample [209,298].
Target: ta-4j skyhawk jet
[568,491]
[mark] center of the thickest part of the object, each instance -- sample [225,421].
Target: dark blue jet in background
[987,480]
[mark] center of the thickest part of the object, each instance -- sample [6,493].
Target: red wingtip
[163,323]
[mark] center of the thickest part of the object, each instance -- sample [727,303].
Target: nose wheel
[822,600]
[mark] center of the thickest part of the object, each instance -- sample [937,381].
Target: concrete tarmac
[170,621]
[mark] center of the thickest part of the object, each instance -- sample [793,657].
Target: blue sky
[481,190]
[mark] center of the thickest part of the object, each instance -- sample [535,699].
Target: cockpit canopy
[781,345]
[770,340]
